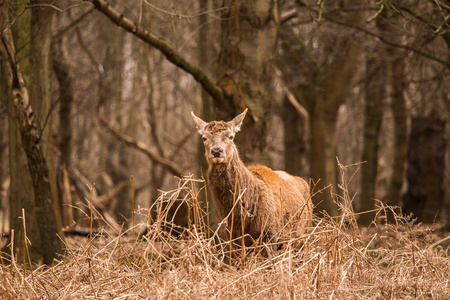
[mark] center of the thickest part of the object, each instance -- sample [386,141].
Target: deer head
[218,138]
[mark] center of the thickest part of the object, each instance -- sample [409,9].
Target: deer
[258,203]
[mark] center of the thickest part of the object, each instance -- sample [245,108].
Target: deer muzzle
[216,152]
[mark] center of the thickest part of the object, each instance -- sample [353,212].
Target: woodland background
[111,89]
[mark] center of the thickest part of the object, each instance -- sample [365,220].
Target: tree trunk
[398,108]
[323,156]
[325,83]
[295,148]
[61,69]
[31,141]
[41,88]
[248,40]
[374,100]
[204,56]
[425,173]
[115,164]
[21,186]
[446,38]
[293,57]
[4,215]
[157,173]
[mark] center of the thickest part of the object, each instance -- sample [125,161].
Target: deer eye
[231,137]
[204,139]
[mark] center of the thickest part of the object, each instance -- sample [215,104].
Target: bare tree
[21,186]
[31,137]
[374,99]
[327,77]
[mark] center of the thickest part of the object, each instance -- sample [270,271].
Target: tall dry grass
[335,260]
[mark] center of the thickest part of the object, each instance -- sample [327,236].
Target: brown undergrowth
[335,260]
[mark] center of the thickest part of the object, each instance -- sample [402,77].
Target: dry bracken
[337,260]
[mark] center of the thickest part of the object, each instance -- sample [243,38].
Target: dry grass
[335,260]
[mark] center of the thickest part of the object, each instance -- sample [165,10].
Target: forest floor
[335,259]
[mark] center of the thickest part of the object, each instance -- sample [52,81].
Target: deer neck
[224,179]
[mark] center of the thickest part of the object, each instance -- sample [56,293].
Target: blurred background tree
[358,80]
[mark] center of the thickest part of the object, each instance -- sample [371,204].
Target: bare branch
[169,52]
[105,199]
[72,25]
[129,141]
[382,38]
[387,42]
[291,96]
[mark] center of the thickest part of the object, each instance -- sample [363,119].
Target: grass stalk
[232,214]
[133,207]
[26,250]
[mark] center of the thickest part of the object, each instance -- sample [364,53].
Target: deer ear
[237,121]
[199,123]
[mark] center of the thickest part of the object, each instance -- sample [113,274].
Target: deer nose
[216,152]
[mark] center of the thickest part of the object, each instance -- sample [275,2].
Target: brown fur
[274,201]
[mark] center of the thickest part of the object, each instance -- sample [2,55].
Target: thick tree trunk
[374,100]
[31,141]
[41,87]
[41,72]
[425,173]
[45,210]
[21,190]
[21,186]
[249,37]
